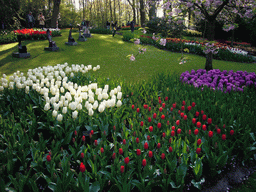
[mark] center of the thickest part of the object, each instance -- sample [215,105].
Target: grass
[110,53]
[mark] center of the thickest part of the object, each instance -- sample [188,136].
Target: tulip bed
[61,130]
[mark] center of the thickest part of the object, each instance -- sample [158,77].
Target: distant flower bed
[239,43]
[136,27]
[32,34]
[217,80]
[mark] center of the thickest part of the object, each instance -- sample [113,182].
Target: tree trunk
[210,37]
[232,37]
[110,7]
[152,10]
[142,14]
[56,8]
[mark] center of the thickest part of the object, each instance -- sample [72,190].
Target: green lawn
[110,53]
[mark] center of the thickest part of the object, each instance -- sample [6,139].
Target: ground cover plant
[88,164]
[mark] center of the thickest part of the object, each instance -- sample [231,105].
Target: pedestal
[82,39]
[51,48]
[20,55]
[71,43]
[87,35]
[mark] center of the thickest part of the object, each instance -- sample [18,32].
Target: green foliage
[101,31]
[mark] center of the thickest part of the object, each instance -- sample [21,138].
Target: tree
[209,10]
[55,13]
[142,13]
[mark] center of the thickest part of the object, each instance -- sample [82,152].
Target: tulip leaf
[198,184]
[174,185]
[222,160]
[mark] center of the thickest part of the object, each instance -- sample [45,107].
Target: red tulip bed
[165,135]
[36,34]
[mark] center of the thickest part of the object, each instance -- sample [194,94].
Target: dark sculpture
[70,38]
[51,43]
[22,49]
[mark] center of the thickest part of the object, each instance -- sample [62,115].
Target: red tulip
[50,153]
[82,155]
[174,105]
[154,115]
[48,158]
[172,133]
[137,140]
[158,145]
[224,126]
[124,141]
[177,122]
[168,123]
[134,133]
[126,160]
[204,127]
[144,162]
[148,138]
[198,150]
[209,121]
[122,169]
[102,150]
[189,132]
[210,134]
[199,141]
[193,104]
[83,138]
[159,98]
[114,127]
[82,167]
[75,133]
[150,128]
[218,131]
[202,112]
[189,108]
[160,109]
[163,156]
[162,117]
[114,156]
[204,117]
[194,120]
[92,132]
[164,134]
[196,131]
[223,137]
[138,110]
[179,111]
[146,146]
[185,117]
[166,98]
[173,128]
[159,125]
[104,132]
[183,102]
[121,151]
[231,132]
[141,123]
[73,140]
[145,106]
[182,114]
[198,124]
[138,152]
[159,101]
[182,108]
[163,105]
[132,106]
[197,114]
[170,140]
[150,154]
[149,109]
[149,119]
[96,142]
[171,109]
[170,149]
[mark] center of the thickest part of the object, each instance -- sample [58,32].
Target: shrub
[101,31]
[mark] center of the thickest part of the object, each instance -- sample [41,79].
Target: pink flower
[137,41]
[132,58]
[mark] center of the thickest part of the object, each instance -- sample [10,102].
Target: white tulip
[66,103]
[54,113]
[119,95]
[89,67]
[112,102]
[115,91]
[111,93]
[101,108]
[79,106]
[94,68]
[47,106]
[89,106]
[64,110]
[74,114]
[91,112]
[59,118]
[98,67]
[91,99]
[1,88]
[27,90]
[118,88]
[60,104]
[72,74]
[119,103]
[105,96]
[100,97]
[56,106]
[106,87]
[95,105]
[4,76]
[72,106]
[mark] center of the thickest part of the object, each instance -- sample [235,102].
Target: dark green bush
[101,31]
[127,36]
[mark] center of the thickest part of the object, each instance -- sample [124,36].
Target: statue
[86,29]
[81,37]
[52,44]
[22,50]
[71,40]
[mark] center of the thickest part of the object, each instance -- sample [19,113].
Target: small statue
[81,37]
[51,43]
[22,49]
[70,38]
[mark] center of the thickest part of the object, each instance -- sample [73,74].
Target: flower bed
[217,80]
[156,135]
[136,27]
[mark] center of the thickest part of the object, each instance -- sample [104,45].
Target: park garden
[134,111]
